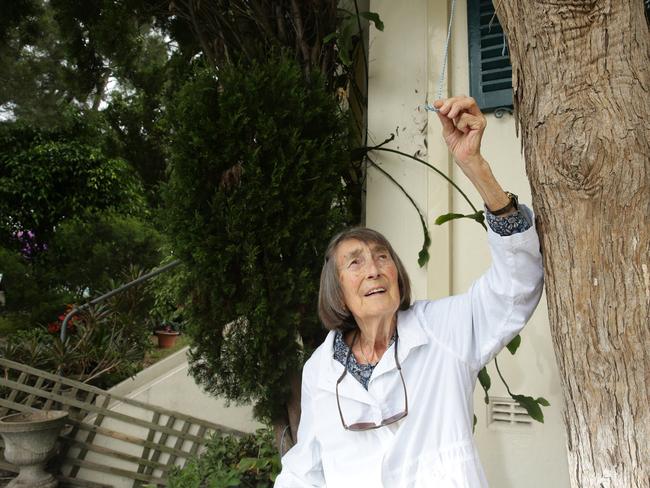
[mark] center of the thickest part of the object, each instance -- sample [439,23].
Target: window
[490,72]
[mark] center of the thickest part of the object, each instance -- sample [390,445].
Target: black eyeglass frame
[363,426]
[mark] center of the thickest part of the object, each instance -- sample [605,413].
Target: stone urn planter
[29,441]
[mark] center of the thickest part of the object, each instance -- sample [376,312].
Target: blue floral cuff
[508,224]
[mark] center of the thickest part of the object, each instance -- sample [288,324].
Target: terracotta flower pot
[166,339]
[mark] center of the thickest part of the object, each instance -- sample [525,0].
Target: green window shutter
[490,72]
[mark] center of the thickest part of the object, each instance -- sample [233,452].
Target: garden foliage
[96,252]
[21,289]
[82,258]
[47,176]
[251,461]
[100,349]
[255,193]
[73,218]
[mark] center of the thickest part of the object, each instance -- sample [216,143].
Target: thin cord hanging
[284,432]
[443,70]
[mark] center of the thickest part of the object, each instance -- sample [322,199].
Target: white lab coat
[442,346]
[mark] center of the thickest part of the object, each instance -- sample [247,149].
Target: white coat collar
[411,335]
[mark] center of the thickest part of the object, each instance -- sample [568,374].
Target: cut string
[443,70]
[284,432]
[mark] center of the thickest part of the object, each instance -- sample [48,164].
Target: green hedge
[258,155]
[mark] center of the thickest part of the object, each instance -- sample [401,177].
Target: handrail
[114,292]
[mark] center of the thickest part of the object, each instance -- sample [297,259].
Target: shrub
[169,297]
[84,258]
[96,253]
[27,300]
[257,157]
[47,176]
[100,348]
[249,461]
[132,308]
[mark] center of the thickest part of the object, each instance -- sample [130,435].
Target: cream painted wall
[165,384]
[168,384]
[397,90]
[405,64]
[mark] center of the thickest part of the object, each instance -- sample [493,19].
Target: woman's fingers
[463,125]
[448,126]
[438,103]
[464,113]
[467,122]
[455,105]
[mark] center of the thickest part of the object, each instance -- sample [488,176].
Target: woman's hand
[463,125]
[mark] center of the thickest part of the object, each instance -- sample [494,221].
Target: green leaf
[447,217]
[344,54]
[374,18]
[247,463]
[543,401]
[234,480]
[423,255]
[531,406]
[514,344]
[344,41]
[486,382]
[484,379]
[330,37]
[478,216]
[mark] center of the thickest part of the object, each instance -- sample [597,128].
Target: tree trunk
[286,429]
[581,79]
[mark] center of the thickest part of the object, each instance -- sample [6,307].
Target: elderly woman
[387,398]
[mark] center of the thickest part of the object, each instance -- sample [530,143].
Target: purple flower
[29,245]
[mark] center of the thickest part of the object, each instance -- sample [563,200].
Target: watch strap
[513,203]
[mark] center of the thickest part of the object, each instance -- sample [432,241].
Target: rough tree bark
[581,78]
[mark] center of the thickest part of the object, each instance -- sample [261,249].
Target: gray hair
[331,306]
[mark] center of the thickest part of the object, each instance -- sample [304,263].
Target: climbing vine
[532,405]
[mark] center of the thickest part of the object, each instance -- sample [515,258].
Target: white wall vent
[506,412]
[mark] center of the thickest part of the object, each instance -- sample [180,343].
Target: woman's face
[368,278]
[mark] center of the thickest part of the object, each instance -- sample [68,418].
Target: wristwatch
[514,203]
